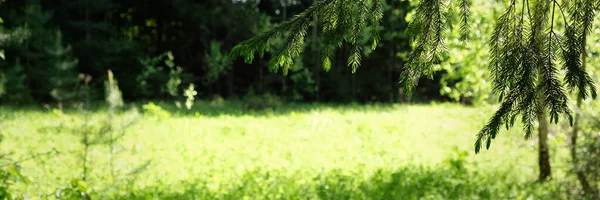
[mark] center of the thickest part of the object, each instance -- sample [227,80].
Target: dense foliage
[131,38]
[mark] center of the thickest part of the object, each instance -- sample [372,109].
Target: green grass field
[296,152]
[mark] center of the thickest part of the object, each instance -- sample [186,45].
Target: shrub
[590,157]
[152,109]
[13,87]
[589,153]
[261,102]
[585,154]
[217,100]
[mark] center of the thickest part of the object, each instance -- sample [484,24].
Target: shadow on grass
[404,183]
[235,108]
[206,108]
[211,109]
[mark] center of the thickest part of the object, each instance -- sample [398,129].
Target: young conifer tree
[64,80]
[532,41]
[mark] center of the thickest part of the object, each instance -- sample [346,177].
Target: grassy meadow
[299,151]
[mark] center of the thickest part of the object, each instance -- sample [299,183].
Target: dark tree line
[133,38]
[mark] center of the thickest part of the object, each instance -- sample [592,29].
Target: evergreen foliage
[154,78]
[464,73]
[15,87]
[426,32]
[64,79]
[336,28]
[525,49]
[218,63]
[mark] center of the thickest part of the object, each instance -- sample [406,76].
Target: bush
[13,87]
[154,110]
[585,154]
[590,157]
[588,152]
[262,102]
[217,100]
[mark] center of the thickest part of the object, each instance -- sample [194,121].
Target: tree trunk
[544,150]
[544,124]
[585,184]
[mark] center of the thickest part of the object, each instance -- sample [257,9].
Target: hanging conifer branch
[343,20]
[555,97]
[291,49]
[502,47]
[333,26]
[377,11]
[465,15]
[514,67]
[574,44]
[527,105]
[536,56]
[295,29]
[426,32]
[524,51]
[358,24]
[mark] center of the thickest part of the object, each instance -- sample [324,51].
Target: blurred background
[132,39]
[122,99]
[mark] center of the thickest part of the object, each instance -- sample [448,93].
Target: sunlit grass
[298,151]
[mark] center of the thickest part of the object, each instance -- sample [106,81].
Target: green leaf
[1,20]
[273,64]
[512,120]
[5,195]
[170,55]
[170,63]
[85,196]
[82,186]
[14,171]
[570,118]
[326,64]
[74,182]
[235,52]
[79,185]
[374,44]
[477,145]
[2,54]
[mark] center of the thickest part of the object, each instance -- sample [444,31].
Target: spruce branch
[359,22]
[295,29]
[426,31]
[576,78]
[465,29]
